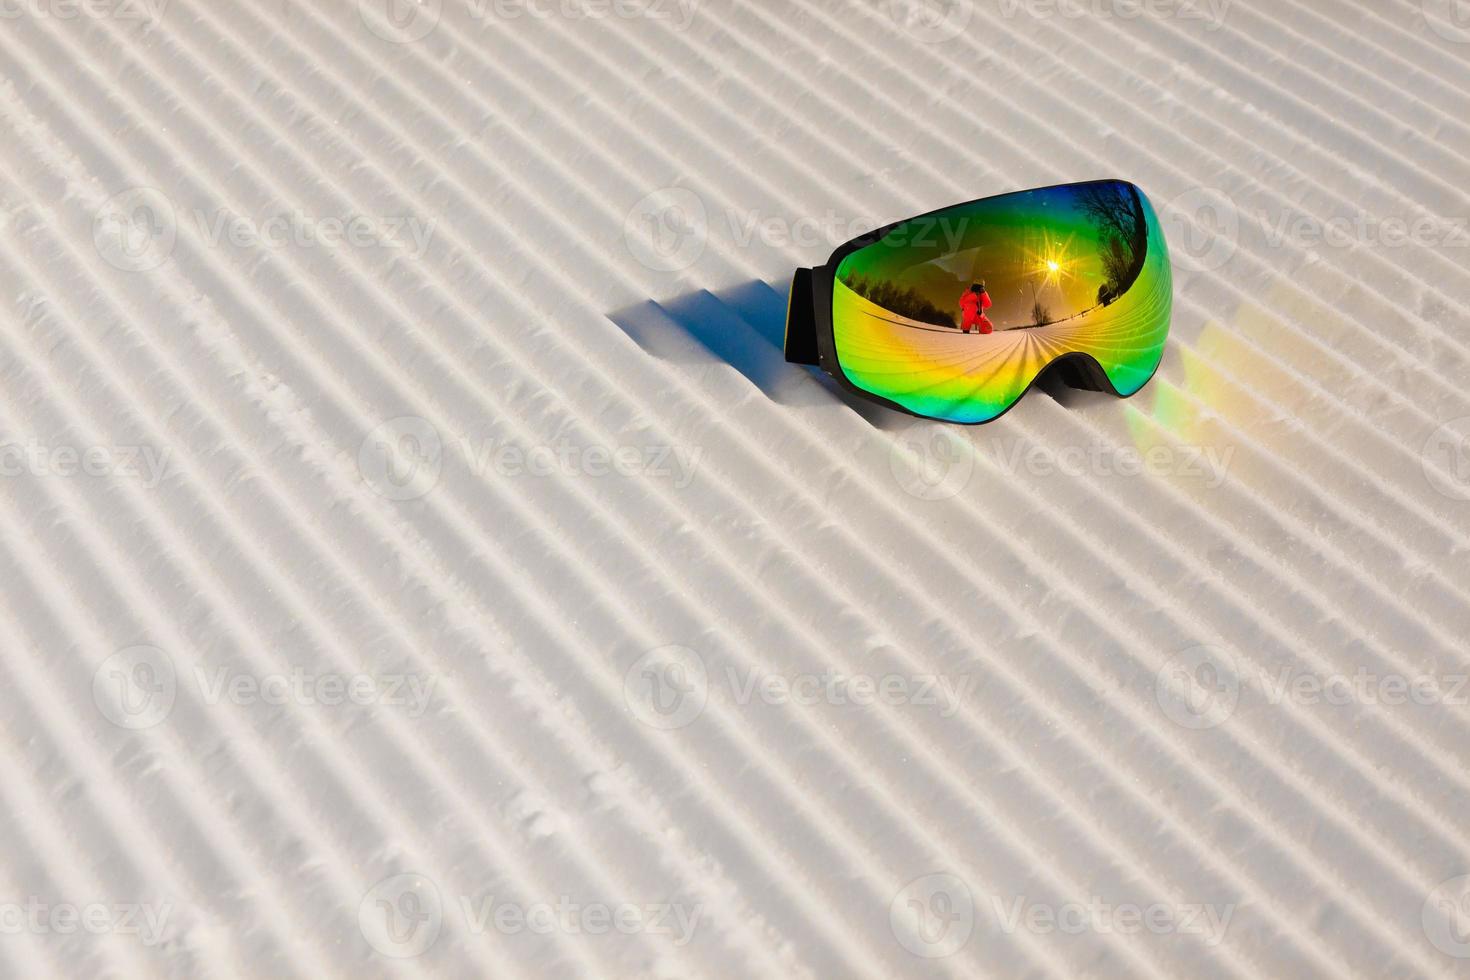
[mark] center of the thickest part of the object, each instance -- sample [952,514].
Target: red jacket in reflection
[973,305]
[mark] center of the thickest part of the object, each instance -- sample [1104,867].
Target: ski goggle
[954,314]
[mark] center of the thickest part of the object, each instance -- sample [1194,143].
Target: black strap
[801,321]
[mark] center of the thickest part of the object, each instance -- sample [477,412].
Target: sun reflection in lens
[1053,262]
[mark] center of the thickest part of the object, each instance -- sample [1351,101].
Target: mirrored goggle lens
[954,314]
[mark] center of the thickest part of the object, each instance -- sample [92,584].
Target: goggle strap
[801,320]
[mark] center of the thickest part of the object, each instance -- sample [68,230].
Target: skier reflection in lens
[973,304]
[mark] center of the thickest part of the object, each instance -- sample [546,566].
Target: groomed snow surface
[419,559]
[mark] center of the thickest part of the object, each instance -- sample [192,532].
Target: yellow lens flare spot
[1050,265]
[1053,262]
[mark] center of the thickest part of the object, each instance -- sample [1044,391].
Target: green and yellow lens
[954,314]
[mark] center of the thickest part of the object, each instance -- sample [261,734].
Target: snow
[417,556]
